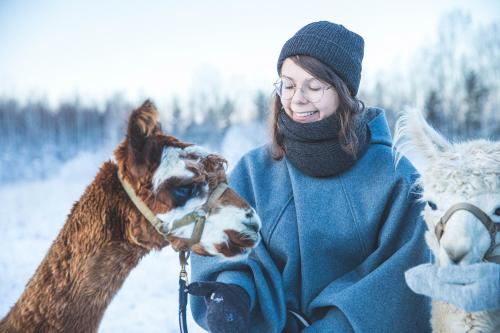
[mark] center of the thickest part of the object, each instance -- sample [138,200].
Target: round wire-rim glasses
[286,89]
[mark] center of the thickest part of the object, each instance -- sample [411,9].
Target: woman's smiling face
[299,108]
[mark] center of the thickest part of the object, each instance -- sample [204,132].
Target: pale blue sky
[159,48]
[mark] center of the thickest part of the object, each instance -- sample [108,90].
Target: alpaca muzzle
[492,227]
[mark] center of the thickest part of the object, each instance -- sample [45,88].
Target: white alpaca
[465,172]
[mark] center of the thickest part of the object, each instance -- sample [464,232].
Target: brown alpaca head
[174,178]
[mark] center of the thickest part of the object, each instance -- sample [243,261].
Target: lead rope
[198,217]
[183,290]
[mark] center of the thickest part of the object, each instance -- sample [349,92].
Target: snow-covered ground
[33,213]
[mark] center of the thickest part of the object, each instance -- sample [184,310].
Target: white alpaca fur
[455,172]
[197,150]
[171,165]
[227,219]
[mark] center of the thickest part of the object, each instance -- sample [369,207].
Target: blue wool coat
[335,249]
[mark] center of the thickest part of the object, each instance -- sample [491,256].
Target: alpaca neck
[84,268]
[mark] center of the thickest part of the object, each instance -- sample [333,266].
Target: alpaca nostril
[249,215]
[455,256]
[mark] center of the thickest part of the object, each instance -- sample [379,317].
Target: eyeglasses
[312,89]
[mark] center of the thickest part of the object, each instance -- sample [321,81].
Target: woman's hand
[473,287]
[228,306]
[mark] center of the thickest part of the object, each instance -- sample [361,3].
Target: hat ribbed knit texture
[332,44]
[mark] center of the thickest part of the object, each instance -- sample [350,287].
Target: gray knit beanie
[333,45]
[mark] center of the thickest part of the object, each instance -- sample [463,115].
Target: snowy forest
[50,151]
[454,79]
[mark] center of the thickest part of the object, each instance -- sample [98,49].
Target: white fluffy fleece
[229,218]
[171,165]
[455,172]
[198,150]
[447,318]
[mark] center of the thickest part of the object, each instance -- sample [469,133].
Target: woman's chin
[315,116]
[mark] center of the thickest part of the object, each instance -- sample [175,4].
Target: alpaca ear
[143,126]
[413,132]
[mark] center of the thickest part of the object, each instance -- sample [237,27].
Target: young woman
[341,224]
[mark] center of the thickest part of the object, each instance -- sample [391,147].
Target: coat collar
[379,128]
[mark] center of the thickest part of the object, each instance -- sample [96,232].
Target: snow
[242,138]
[34,212]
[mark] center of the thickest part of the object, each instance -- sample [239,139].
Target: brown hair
[349,107]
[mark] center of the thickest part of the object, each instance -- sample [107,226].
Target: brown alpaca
[105,235]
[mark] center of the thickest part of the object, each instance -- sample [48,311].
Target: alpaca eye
[186,190]
[183,193]
[497,211]
[432,205]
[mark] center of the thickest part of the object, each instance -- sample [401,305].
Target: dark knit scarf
[314,148]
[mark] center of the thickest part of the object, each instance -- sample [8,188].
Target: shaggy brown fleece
[104,237]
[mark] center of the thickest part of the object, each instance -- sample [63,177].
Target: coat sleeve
[267,301]
[374,296]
